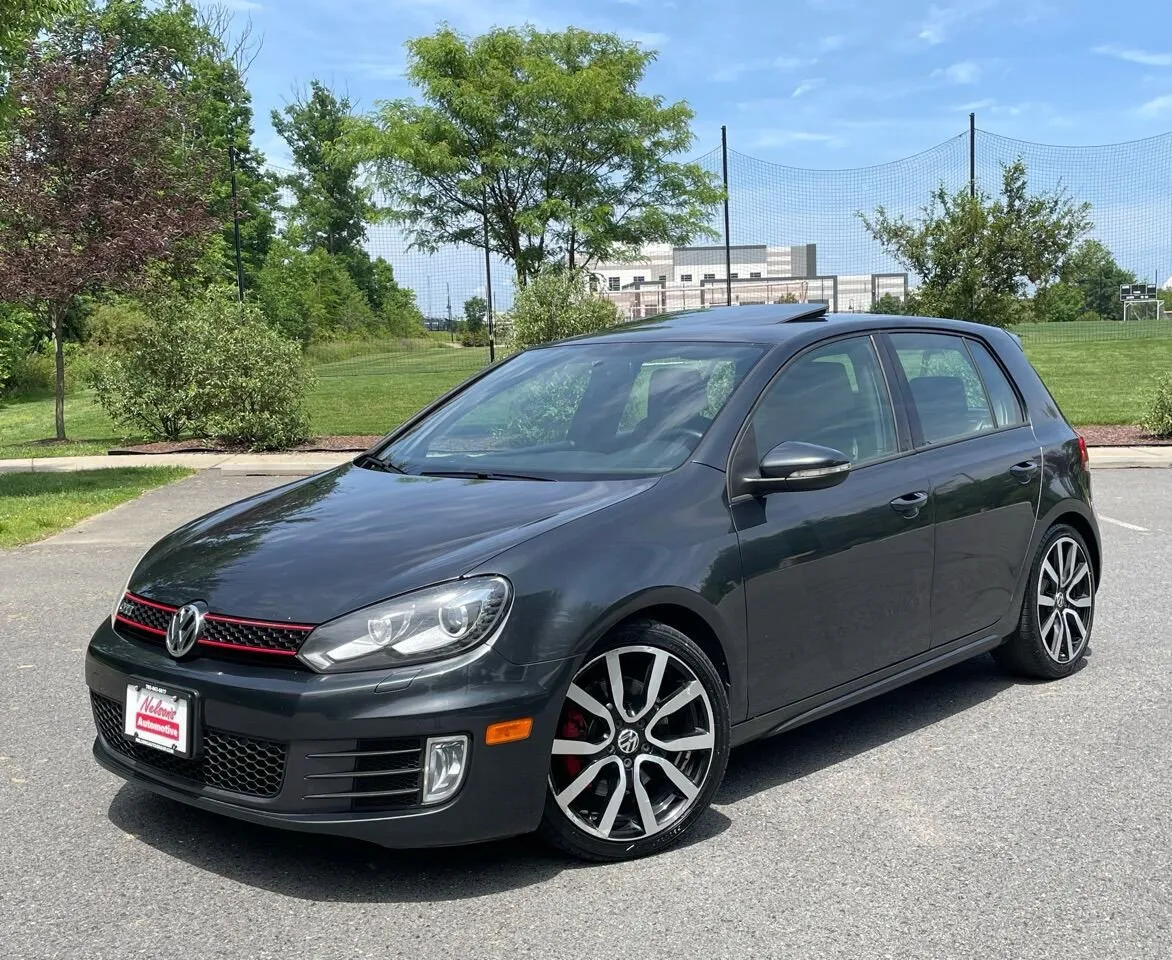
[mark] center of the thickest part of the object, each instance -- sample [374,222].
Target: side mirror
[800,466]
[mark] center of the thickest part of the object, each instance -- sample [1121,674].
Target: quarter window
[946,389]
[1006,407]
[834,396]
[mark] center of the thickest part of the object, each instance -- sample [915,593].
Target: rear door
[984,469]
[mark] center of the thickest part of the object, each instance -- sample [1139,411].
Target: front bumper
[338,754]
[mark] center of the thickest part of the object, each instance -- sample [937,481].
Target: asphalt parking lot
[964,816]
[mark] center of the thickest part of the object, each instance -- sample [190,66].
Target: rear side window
[1006,407]
[946,389]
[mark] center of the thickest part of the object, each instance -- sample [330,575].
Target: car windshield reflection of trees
[580,411]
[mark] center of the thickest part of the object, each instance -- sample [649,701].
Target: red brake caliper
[572,729]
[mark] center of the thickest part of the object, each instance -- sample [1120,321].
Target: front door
[838,580]
[984,466]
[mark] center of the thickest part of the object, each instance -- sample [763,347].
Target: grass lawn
[364,390]
[36,505]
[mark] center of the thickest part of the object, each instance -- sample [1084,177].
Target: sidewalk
[305,464]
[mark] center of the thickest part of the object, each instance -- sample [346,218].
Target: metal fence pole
[488,285]
[972,155]
[727,246]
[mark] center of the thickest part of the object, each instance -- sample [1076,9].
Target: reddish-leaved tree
[99,178]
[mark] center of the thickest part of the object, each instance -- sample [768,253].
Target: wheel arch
[691,615]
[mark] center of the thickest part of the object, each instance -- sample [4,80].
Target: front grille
[379,775]
[222,636]
[226,761]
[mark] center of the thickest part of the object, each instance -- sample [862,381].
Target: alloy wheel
[1066,597]
[634,744]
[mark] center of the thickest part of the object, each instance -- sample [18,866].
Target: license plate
[158,718]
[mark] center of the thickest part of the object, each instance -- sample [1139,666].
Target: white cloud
[1134,56]
[781,138]
[940,22]
[806,86]
[646,39]
[1157,107]
[244,6]
[962,73]
[835,42]
[986,104]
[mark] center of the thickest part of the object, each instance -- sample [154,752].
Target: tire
[597,750]
[1048,644]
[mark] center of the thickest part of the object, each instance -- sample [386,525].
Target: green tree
[20,22]
[892,305]
[95,183]
[1092,270]
[208,63]
[558,303]
[330,205]
[310,296]
[546,136]
[475,312]
[977,256]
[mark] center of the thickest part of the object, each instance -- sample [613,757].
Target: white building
[666,278]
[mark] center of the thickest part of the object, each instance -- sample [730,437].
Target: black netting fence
[793,235]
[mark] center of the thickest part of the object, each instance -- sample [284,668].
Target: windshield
[585,409]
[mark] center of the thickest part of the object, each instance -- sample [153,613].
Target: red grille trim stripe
[140,626]
[220,618]
[151,603]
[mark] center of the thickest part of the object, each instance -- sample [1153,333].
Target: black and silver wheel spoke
[1065,600]
[634,745]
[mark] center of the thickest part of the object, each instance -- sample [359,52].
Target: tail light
[1083,456]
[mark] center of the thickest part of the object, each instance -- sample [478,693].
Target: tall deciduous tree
[1093,271]
[546,135]
[207,58]
[330,205]
[97,180]
[976,256]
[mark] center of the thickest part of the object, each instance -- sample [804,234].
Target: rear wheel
[641,746]
[1057,612]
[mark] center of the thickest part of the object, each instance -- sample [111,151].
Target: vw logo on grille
[184,629]
[628,741]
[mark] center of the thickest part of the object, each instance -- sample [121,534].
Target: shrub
[117,324]
[557,304]
[207,366]
[1158,421]
[17,330]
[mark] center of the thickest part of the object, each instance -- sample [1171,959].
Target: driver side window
[835,396]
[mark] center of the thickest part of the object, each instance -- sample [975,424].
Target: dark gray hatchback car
[557,597]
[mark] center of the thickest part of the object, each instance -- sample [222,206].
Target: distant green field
[1099,330]
[1101,373]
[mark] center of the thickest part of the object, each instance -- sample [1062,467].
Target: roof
[761,323]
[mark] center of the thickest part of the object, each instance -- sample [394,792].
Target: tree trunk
[56,319]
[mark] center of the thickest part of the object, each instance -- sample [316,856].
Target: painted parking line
[1124,524]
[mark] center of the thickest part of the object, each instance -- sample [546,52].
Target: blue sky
[816,83]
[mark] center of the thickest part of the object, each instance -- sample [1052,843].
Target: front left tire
[641,746]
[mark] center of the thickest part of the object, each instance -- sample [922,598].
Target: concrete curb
[304,465]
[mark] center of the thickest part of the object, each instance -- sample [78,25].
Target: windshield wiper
[482,475]
[374,463]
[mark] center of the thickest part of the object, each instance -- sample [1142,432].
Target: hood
[315,549]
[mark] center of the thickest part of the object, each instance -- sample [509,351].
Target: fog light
[447,760]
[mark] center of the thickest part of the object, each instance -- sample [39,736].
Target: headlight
[419,627]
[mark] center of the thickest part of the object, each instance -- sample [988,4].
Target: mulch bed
[346,444]
[1121,436]
[1116,436]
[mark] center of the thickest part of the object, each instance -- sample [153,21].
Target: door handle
[909,504]
[1025,471]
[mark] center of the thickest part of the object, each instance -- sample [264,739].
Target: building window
[612,283]
[710,276]
[685,278]
[640,279]
[734,276]
[663,278]
[756,275]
